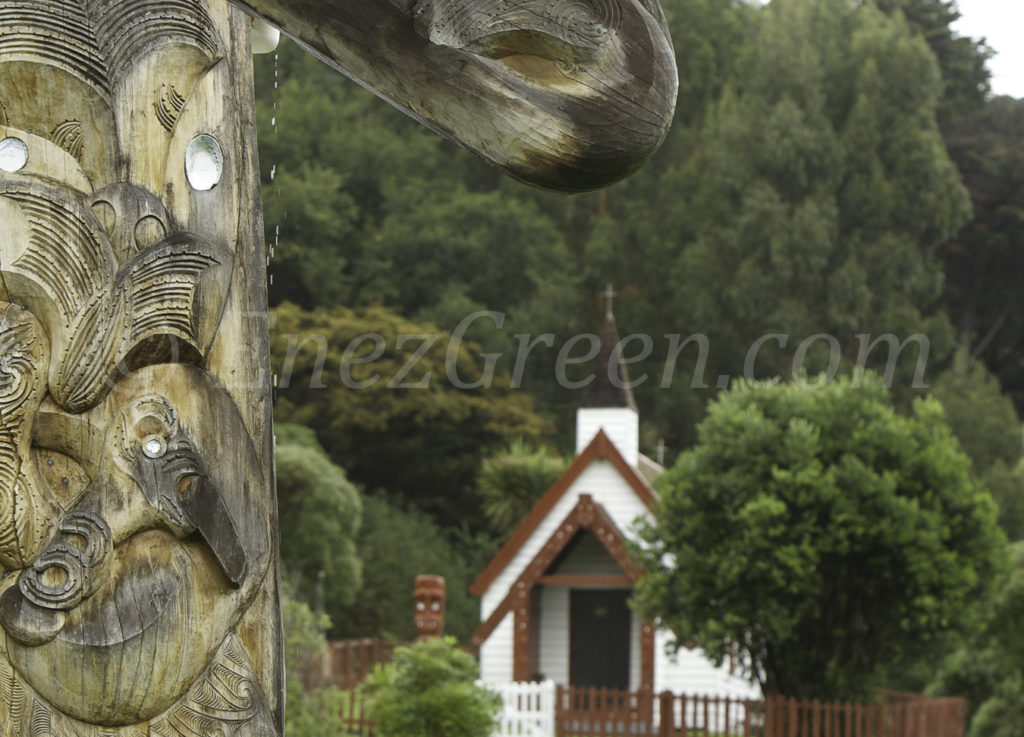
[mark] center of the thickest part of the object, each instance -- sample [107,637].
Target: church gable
[585,515]
[600,472]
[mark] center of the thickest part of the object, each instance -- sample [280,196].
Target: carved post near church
[139,594]
[429,595]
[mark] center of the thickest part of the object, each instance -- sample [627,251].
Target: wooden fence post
[666,715]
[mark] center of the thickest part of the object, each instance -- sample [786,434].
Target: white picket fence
[528,709]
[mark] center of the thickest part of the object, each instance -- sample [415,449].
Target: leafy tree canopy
[512,480]
[985,262]
[822,192]
[310,712]
[820,533]
[962,60]
[399,405]
[981,416]
[398,542]
[319,513]
[987,669]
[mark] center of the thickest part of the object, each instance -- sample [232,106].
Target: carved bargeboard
[139,594]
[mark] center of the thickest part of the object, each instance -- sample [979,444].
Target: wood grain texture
[566,94]
[137,522]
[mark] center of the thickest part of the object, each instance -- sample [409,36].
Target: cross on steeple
[609,298]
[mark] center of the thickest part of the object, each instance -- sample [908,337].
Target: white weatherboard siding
[554,634]
[604,483]
[496,654]
[620,424]
[689,672]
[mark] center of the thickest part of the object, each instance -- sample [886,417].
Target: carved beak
[565,94]
[177,486]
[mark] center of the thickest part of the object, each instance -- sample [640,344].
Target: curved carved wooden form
[566,94]
[136,510]
[137,523]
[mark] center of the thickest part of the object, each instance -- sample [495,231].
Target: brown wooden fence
[349,663]
[894,715]
[586,712]
[603,711]
[708,716]
[592,712]
[353,715]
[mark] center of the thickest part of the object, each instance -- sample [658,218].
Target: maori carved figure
[429,593]
[138,590]
[136,516]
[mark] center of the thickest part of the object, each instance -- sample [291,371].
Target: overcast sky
[1001,23]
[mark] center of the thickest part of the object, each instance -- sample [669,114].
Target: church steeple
[610,387]
[608,402]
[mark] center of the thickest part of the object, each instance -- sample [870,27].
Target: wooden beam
[557,93]
[521,638]
[585,580]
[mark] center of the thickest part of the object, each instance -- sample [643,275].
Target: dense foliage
[382,394]
[397,542]
[819,533]
[429,690]
[311,712]
[987,669]
[512,480]
[318,514]
[837,169]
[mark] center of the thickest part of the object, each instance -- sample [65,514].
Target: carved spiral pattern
[21,354]
[460,23]
[76,563]
[24,357]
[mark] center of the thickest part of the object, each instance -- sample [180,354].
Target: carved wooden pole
[137,517]
[136,509]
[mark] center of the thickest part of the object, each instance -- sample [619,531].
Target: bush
[308,712]
[429,690]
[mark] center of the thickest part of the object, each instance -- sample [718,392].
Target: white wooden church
[554,598]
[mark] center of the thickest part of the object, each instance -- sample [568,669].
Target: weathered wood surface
[566,94]
[137,524]
[136,504]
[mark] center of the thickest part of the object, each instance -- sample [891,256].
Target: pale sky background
[1001,24]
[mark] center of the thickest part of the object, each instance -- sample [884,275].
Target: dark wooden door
[599,638]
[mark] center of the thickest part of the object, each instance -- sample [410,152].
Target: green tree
[822,192]
[512,480]
[987,670]
[820,533]
[319,513]
[962,60]
[399,405]
[429,690]
[366,206]
[312,712]
[985,263]
[979,414]
[805,189]
[985,422]
[1006,484]
[397,542]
